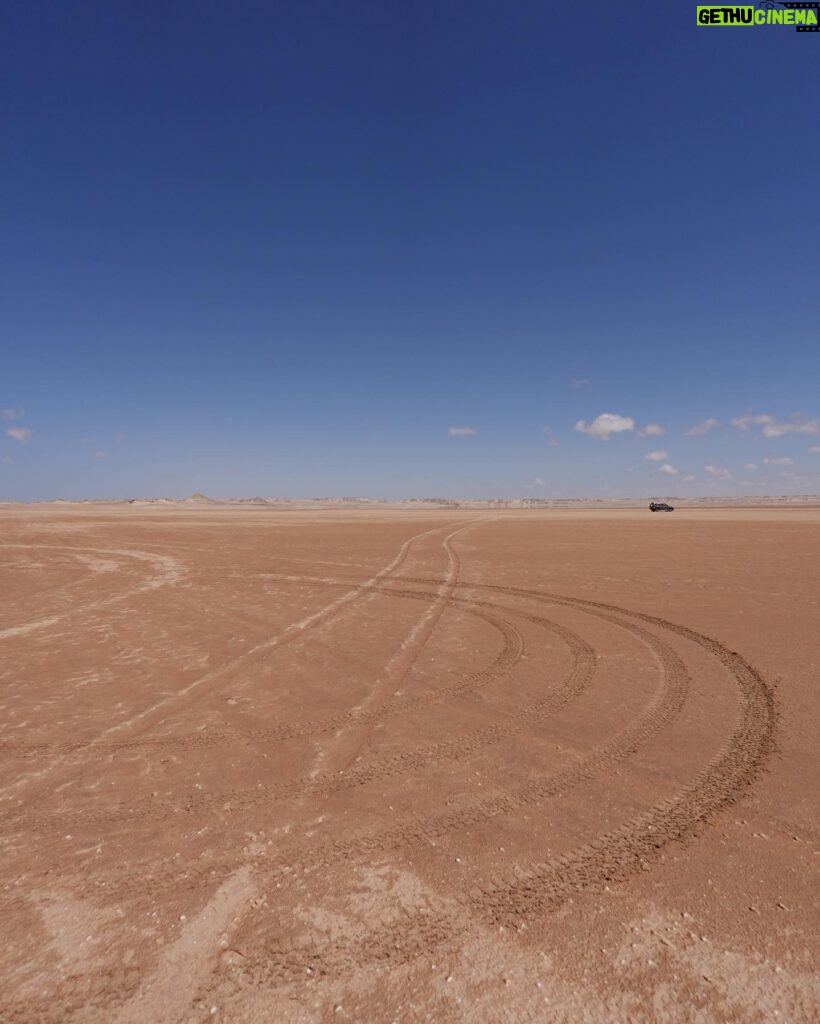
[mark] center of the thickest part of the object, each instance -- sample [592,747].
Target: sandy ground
[264,766]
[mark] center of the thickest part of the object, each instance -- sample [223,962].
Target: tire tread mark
[22,819]
[612,857]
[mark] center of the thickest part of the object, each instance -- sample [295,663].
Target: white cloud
[581,382]
[688,479]
[461,431]
[666,468]
[652,430]
[703,427]
[783,460]
[751,465]
[603,426]
[21,434]
[718,471]
[99,455]
[11,414]
[815,449]
[658,456]
[772,427]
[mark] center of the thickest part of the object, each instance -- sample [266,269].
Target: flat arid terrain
[270,765]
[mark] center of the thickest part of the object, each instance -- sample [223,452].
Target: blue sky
[284,248]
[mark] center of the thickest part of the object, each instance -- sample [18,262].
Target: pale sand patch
[166,995]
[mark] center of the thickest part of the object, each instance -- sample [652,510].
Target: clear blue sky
[284,248]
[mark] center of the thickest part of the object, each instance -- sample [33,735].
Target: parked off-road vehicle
[660,506]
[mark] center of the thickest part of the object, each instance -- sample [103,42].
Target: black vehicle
[660,506]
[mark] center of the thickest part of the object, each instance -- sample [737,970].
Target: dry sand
[267,765]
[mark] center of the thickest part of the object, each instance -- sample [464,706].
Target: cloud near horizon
[461,431]
[772,427]
[783,460]
[605,425]
[658,456]
[19,434]
[652,430]
[670,470]
[703,427]
[718,471]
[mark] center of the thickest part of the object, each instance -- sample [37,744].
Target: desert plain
[293,765]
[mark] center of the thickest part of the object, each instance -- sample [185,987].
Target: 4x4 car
[660,506]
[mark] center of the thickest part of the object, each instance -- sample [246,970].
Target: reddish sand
[264,766]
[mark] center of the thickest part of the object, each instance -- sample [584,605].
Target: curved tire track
[21,820]
[144,719]
[427,829]
[614,856]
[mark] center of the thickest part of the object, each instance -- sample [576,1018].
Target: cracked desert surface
[372,766]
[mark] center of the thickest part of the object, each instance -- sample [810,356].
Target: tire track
[145,719]
[214,737]
[65,591]
[395,672]
[613,857]
[132,812]
[170,571]
[427,829]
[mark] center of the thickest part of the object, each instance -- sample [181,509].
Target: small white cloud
[750,465]
[703,427]
[11,414]
[581,382]
[554,442]
[652,430]
[461,431]
[666,468]
[718,471]
[783,460]
[815,449]
[742,422]
[99,455]
[772,427]
[603,426]
[534,484]
[21,434]
[658,456]
[687,479]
